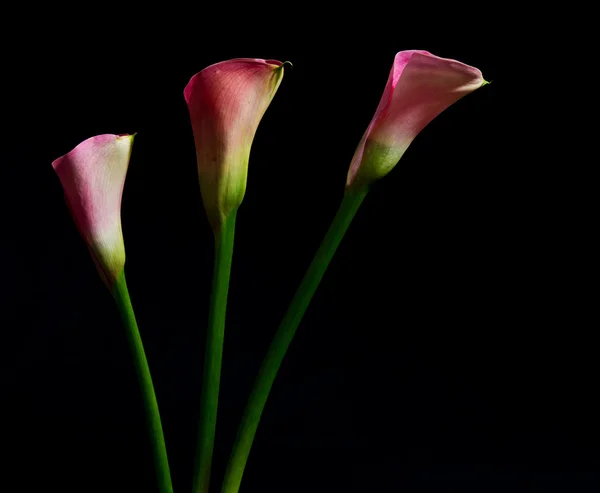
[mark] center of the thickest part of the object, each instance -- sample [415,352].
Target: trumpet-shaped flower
[92,176]
[226,102]
[420,86]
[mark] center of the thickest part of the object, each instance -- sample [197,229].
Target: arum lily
[419,87]
[93,176]
[226,102]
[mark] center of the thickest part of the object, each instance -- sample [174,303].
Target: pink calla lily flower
[93,176]
[420,86]
[226,102]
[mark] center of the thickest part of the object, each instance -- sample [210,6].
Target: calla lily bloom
[93,176]
[226,102]
[420,86]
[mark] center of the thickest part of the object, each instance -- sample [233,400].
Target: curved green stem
[161,463]
[283,338]
[213,354]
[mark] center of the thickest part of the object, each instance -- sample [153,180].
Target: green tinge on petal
[377,161]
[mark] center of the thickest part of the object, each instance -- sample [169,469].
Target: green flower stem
[214,354]
[163,475]
[283,338]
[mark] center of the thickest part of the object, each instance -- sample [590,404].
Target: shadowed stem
[213,354]
[283,338]
[159,450]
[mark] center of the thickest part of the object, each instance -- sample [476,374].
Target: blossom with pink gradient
[92,177]
[226,102]
[420,86]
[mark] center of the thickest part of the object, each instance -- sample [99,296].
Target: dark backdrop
[446,348]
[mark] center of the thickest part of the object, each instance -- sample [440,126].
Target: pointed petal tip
[280,67]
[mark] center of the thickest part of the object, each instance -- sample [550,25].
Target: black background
[448,346]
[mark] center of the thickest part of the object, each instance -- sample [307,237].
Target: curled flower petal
[92,176]
[226,102]
[420,86]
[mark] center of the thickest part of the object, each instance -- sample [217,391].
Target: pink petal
[226,102]
[420,86]
[93,176]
